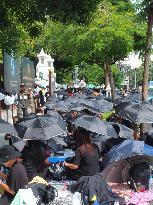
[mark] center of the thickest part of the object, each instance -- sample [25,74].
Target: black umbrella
[136,97]
[117,172]
[56,143]
[42,127]
[92,123]
[125,132]
[7,128]
[98,105]
[137,113]
[19,145]
[124,150]
[62,106]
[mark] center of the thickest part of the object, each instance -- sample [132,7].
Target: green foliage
[62,10]
[106,115]
[118,76]
[93,74]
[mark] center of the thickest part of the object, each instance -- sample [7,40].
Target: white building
[42,69]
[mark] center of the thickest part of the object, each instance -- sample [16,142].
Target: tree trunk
[106,76]
[111,80]
[147,56]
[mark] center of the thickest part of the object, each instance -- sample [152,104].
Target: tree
[111,34]
[146,12]
[93,74]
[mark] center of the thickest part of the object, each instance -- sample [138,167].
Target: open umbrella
[127,149]
[95,125]
[7,128]
[19,145]
[56,143]
[98,105]
[137,113]
[117,172]
[118,160]
[125,132]
[42,127]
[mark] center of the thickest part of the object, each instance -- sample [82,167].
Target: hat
[7,152]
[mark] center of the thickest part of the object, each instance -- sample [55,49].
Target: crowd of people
[19,168]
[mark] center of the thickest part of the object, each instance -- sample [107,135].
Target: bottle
[151,183]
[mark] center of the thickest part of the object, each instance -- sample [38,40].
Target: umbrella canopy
[137,113]
[56,143]
[91,123]
[129,98]
[42,127]
[19,145]
[125,132]
[117,172]
[7,128]
[98,105]
[125,150]
[94,124]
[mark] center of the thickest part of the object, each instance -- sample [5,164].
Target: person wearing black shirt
[16,178]
[86,160]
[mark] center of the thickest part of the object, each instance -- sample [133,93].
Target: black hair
[117,128]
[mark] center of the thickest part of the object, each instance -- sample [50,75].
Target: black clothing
[33,158]
[88,162]
[91,186]
[16,179]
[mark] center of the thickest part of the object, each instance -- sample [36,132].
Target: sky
[134,60]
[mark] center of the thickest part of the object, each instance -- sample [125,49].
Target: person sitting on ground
[16,178]
[86,160]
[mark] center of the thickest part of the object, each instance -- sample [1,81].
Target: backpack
[139,175]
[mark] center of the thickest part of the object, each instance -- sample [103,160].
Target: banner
[11,74]
[27,73]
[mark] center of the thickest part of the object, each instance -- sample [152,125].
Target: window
[42,60]
[49,64]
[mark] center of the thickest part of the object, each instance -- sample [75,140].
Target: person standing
[22,102]
[16,178]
